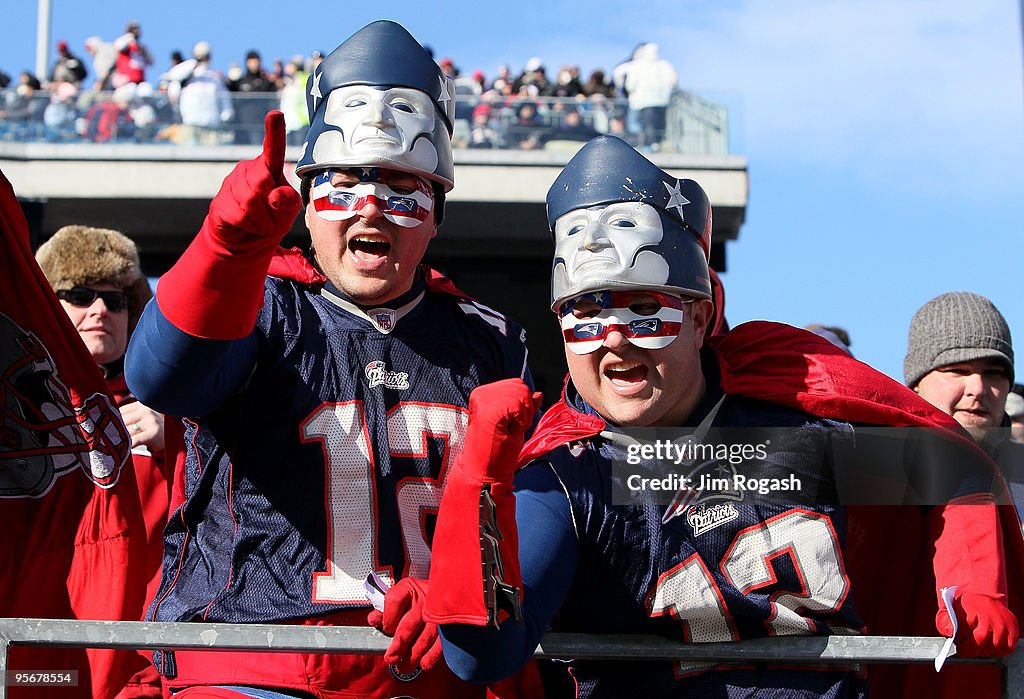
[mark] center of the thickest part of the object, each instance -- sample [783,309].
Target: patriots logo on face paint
[647,319]
[588,331]
[648,326]
[344,201]
[402,204]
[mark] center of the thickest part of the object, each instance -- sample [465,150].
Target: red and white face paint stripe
[340,203]
[587,319]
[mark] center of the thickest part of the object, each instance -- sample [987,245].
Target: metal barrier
[827,650]
[694,125]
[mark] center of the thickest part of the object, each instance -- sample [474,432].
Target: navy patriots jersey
[716,568]
[328,464]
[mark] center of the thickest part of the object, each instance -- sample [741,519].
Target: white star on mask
[444,98]
[314,88]
[675,199]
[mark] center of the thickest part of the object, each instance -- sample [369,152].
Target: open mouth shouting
[626,377]
[368,250]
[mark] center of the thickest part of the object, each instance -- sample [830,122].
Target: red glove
[969,554]
[216,288]
[474,569]
[415,643]
[987,626]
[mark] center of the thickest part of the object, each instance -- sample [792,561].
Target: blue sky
[885,140]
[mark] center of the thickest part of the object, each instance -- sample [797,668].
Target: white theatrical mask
[607,244]
[378,124]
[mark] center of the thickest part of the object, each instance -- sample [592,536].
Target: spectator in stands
[61,114]
[572,128]
[617,127]
[258,96]
[99,281]
[204,102]
[132,56]
[619,73]
[567,83]
[960,359]
[505,76]
[650,84]
[447,66]
[21,114]
[293,100]
[144,113]
[104,58]
[1015,411]
[68,68]
[621,70]
[534,77]
[528,132]
[481,133]
[276,73]
[597,84]
[834,334]
[481,81]
[110,119]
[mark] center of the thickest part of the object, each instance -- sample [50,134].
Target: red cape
[888,553]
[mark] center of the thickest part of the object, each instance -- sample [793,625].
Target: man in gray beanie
[960,359]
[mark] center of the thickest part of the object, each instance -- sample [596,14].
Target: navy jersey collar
[418,287]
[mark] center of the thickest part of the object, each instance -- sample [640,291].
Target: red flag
[69,509]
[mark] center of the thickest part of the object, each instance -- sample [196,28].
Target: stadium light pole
[43,40]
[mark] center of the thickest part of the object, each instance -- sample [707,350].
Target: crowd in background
[115,92]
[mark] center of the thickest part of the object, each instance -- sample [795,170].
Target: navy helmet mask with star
[380,100]
[607,172]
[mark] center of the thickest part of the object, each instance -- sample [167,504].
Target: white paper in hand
[376,587]
[947,647]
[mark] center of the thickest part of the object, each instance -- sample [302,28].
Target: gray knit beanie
[956,327]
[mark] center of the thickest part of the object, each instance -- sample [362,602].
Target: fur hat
[83,256]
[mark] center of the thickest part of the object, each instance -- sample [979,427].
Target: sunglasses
[83,297]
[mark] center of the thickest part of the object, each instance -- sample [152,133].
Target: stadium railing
[819,650]
[695,125]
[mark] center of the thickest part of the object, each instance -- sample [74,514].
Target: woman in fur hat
[97,277]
